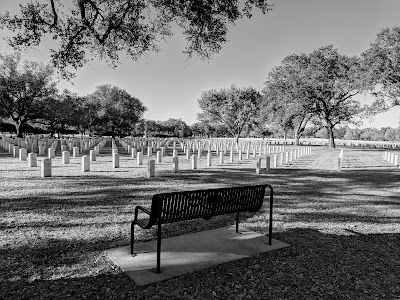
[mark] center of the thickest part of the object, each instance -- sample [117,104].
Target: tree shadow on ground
[315,266]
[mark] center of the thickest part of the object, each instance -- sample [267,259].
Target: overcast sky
[169,85]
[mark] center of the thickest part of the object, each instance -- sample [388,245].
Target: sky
[169,84]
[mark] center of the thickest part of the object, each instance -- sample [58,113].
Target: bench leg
[237,222]
[132,237]
[159,248]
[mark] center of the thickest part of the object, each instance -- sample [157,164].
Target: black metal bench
[189,205]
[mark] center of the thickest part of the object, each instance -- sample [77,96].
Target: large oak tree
[24,90]
[134,27]
[233,107]
[116,111]
[333,81]
[382,65]
[286,99]
[320,85]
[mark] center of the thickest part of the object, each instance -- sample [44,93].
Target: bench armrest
[144,209]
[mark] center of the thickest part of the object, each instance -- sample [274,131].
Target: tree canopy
[107,29]
[382,65]
[320,85]
[334,80]
[114,110]
[286,99]
[24,89]
[233,107]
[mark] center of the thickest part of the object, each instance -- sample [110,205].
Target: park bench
[189,205]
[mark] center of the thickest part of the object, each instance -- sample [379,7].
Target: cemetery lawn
[343,228]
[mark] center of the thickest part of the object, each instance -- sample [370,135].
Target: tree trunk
[18,124]
[300,129]
[331,140]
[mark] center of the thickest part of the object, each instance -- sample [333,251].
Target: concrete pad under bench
[190,252]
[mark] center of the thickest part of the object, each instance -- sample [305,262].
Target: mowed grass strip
[343,228]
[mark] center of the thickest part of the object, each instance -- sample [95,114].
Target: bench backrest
[186,205]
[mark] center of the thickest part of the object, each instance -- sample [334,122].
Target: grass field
[343,228]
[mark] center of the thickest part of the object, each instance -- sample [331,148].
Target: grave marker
[75,152]
[46,167]
[175,164]
[139,158]
[65,157]
[92,154]
[209,159]
[32,160]
[194,161]
[22,154]
[267,163]
[258,165]
[151,168]
[52,153]
[85,163]
[115,160]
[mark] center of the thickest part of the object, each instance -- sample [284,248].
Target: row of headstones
[198,146]
[22,153]
[46,165]
[39,145]
[14,146]
[370,145]
[289,156]
[221,153]
[284,157]
[47,162]
[391,158]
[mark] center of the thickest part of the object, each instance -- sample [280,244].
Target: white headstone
[139,158]
[151,168]
[221,157]
[85,163]
[175,164]
[194,161]
[16,151]
[75,152]
[52,153]
[46,167]
[32,159]
[209,159]
[267,163]
[65,157]
[22,154]
[92,154]
[159,155]
[258,166]
[115,160]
